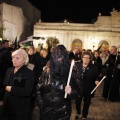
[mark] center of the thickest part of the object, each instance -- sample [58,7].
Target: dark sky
[78,11]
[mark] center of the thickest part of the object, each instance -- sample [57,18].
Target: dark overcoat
[87,78]
[17,103]
[112,81]
[50,96]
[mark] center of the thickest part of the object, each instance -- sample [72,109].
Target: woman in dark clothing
[41,62]
[98,62]
[32,64]
[51,87]
[19,82]
[32,56]
[88,78]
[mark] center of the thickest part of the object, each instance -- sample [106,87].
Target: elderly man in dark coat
[111,83]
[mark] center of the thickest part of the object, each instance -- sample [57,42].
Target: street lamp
[94,41]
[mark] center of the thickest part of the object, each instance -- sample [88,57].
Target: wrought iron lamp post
[94,41]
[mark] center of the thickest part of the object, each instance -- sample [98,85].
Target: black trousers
[86,97]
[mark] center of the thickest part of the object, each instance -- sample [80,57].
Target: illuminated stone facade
[86,36]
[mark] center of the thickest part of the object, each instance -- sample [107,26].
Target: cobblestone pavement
[99,109]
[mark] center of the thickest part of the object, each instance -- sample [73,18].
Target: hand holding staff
[98,84]
[70,72]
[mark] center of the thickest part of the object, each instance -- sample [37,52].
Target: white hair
[23,53]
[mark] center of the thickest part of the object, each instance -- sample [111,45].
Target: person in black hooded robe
[52,87]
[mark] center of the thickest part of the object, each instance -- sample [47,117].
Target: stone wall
[31,13]
[21,14]
[13,21]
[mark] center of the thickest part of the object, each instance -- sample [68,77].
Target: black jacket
[5,61]
[17,103]
[50,96]
[40,63]
[88,78]
[98,63]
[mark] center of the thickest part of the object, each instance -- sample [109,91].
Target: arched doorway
[77,43]
[103,45]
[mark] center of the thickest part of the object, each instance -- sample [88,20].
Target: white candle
[98,84]
[70,72]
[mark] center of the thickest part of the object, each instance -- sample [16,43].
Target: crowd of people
[29,78]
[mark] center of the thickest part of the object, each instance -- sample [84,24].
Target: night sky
[77,11]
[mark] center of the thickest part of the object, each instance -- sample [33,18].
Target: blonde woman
[18,84]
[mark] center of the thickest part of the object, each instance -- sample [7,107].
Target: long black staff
[112,75]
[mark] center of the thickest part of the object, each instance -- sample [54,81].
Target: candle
[98,84]
[70,72]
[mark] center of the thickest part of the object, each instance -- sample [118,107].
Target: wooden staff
[98,84]
[70,72]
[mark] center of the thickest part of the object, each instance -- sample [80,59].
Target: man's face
[76,50]
[113,50]
[96,54]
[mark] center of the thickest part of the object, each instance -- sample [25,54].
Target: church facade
[105,31]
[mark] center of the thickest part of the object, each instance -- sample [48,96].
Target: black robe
[111,83]
[17,103]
